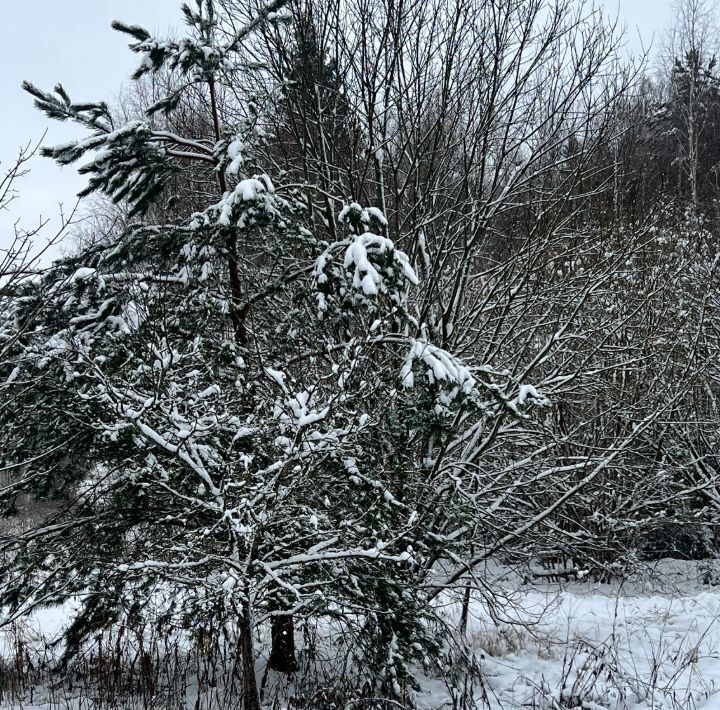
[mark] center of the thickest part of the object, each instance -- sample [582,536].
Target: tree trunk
[282,653]
[465,613]
[251,697]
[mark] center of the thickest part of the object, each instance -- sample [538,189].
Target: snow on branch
[250,202]
[440,367]
[200,56]
[128,164]
[371,264]
[456,379]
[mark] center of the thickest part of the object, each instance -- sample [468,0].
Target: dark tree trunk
[251,697]
[282,654]
[465,613]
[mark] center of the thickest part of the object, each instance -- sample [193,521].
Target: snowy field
[650,643]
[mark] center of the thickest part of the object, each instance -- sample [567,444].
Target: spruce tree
[686,126]
[237,419]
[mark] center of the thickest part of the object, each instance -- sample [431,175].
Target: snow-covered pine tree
[240,424]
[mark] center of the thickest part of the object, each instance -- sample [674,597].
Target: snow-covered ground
[648,644]
[652,643]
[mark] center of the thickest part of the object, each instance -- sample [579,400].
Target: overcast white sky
[70,41]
